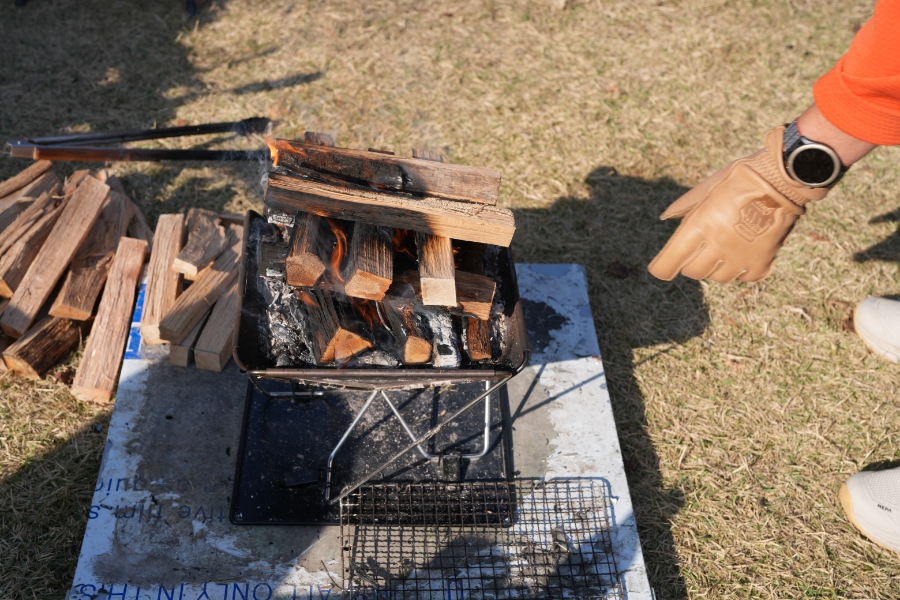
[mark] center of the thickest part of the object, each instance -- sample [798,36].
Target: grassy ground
[740,409]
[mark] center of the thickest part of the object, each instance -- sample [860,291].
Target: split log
[384,171]
[410,330]
[74,180]
[96,374]
[163,284]
[436,270]
[270,259]
[456,220]
[308,253]
[70,230]
[211,282]
[42,347]
[24,177]
[138,228]
[478,338]
[182,353]
[214,348]
[86,277]
[205,243]
[474,293]
[27,218]
[18,258]
[337,332]
[370,262]
[426,154]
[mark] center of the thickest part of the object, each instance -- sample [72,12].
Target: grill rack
[522,539]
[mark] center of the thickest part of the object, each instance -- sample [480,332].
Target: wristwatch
[810,163]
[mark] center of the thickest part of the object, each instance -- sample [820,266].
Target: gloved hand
[735,221]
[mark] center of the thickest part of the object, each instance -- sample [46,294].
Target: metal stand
[417,442]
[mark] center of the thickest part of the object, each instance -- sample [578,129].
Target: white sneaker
[871,500]
[877,322]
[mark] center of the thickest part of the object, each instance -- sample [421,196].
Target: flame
[304,297]
[404,243]
[340,247]
[273,149]
[367,310]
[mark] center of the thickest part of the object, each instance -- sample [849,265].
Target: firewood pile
[370,259]
[63,247]
[191,297]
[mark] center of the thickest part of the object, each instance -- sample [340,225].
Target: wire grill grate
[482,540]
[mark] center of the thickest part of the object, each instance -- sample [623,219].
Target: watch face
[813,165]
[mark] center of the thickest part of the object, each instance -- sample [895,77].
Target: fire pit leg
[428,455]
[341,443]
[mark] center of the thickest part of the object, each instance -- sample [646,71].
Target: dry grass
[740,408]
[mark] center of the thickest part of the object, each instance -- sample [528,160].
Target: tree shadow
[888,249]
[614,233]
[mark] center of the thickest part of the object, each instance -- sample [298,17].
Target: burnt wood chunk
[270,259]
[445,342]
[474,293]
[370,262]
[385,171]
[478,338]
[86,277]
[42,347]
[426,154]
[18,258]
[456,220]
[197,299]
[436,270]
[70,230]
[318,139]
[308,253]
[337,332]
[205,243]
[410,330]
[163,284]
[24,177]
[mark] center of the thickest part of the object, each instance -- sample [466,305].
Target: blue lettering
[139,484]
[119,482]
[184,512]
[320,593]
[121,594]
[203,594]
[94,512]
[169,596]
[236,589]
[268,588]
[200,515]
[86,594]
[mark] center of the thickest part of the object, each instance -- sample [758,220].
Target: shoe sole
[873,348]
[847,505]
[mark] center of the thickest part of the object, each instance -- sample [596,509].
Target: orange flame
[404,243]
[366,309]
[340,247]
[304,297]
[273,149]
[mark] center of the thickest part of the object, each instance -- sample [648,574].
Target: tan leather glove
[736,220]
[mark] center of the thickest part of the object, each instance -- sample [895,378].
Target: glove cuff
[770,164]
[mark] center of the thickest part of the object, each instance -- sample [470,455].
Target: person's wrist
[813,125]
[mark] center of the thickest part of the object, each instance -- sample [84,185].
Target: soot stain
[540,320]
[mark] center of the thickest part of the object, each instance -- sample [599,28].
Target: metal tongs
[90,147]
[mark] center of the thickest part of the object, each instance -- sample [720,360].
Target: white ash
[372,358]
[280,217]
[446,344]
[285,327]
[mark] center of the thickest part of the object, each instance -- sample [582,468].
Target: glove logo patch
[756,217]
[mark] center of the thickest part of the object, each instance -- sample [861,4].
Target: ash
[284,326]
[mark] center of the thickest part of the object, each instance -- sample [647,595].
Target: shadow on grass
[614,234]
[888,249]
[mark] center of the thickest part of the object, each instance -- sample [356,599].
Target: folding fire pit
[335,312]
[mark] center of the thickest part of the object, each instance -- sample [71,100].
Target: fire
[404,243]
[304,297]
[367,310]
[340,247]
[273,149]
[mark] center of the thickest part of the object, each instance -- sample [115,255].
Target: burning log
[474,293]
[410,330]
[320,139]
[370,262]
[382,171]
[477,338]
[90,266]
[308,256]
[205,243]
[456,220]
[436,271]
[271,258]
[337,333]
[68,233]
[24,177]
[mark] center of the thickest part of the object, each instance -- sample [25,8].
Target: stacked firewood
[370,242]
[191,296]
[63,247]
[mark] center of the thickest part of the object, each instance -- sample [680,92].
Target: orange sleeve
[860,95]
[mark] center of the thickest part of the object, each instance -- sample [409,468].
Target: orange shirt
[860,95]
